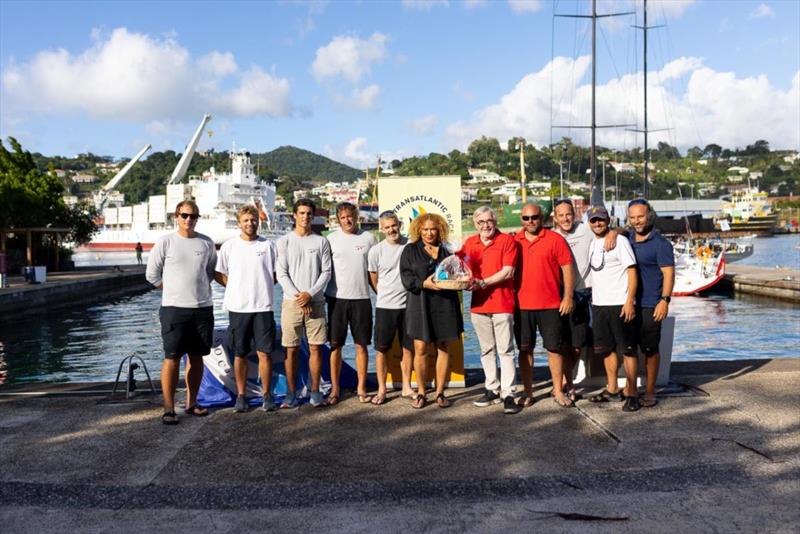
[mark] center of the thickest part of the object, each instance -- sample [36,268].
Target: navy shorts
[355,313]
[186,331]
[648,331]
[575,329]
[388,325]
[247,331]
[611,332]
[547,322]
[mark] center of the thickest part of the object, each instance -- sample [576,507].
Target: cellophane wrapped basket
[452,273]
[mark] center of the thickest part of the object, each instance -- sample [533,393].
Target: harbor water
[84,344]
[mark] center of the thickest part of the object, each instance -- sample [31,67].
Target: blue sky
[355,79]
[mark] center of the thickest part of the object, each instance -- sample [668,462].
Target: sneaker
[487,399]
[241,404]
[268,405]
[316,399]
[509,406]
[289,401]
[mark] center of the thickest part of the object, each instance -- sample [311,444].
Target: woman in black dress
[433,315]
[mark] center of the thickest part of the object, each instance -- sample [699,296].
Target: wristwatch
[666,299]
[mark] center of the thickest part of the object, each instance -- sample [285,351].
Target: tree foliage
[31,198]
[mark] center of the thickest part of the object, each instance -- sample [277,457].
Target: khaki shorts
[295,325]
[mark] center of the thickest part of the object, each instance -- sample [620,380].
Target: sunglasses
[490,222]
[192,216]
[527,218]
[562,201]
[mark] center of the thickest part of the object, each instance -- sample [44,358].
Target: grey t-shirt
[185,267]
[580,241]
[349,253]
[384,259]
[304,264]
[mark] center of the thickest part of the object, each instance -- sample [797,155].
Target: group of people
[536,280]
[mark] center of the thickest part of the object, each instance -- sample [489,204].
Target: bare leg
[315,366]
[361,368]
[291,368]
[651,365]
[380,372]
[240,372]
[611,363]
[420,364]
[631,364]
[406,364]
[442,367]
[194,375]
[526,372]
[265,372]
[556,363]
[336,370]
[169,380]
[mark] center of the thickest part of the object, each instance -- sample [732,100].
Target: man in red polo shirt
[545,280]
[492,255]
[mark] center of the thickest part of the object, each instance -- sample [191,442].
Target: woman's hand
[430,283]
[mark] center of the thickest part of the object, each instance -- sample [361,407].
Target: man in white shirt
[246,267]
[303,271]
[614,283]
[182,264]
[390,308]
[348,297]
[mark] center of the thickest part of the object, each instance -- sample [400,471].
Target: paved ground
[718,455]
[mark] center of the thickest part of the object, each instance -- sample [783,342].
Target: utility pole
[521,147]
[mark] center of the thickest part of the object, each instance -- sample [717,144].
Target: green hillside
[296,161]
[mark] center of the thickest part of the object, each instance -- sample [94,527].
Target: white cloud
[218,64]
[355,152]
[349,57]
[525,6]
[135,77]
[365,98]
[424,125]
[424,5]
[474,4]
[762,11]
[710,107]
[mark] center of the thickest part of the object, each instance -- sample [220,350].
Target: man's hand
[306,310]
[661,310]
[302,299]
[610,242]
[628,312]
[567,305]
[429,283]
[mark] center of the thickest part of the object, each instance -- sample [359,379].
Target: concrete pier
[783,284]
[719,454]
[70,288]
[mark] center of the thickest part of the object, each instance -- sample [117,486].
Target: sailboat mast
[596,198]
[646,151]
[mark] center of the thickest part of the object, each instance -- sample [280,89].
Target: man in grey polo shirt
[390,307]
[303,270]
[348,297]
[182,263]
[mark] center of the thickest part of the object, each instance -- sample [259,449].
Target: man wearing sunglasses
[182,264]
[579,237]
[545,281]
[613,292]
[492,256]
[656,262]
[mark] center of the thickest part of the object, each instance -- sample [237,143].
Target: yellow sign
[408,197]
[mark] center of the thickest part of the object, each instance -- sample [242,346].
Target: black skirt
[431,316]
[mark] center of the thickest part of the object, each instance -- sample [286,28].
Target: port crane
[101,197]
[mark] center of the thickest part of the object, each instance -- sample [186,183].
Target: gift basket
[453,274]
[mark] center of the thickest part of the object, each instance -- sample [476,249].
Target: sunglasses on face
[192,216]
[527,218]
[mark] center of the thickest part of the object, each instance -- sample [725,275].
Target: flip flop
[644,402]
[526,401]
[169,418]
[378,399]
[442,401]
[197,411]
[364,398]
[419,402]
[333,400]
[564,402]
